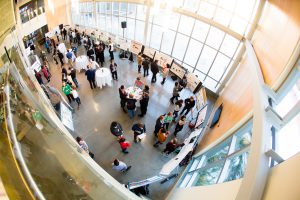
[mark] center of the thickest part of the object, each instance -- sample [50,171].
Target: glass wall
[201,48]
[31,9]
[224,162]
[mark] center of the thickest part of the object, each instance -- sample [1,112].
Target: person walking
[165,73]
[178,106]
[72,73]
[57,36]
[145,64]
[70,57]
[66,88]
[161,137]
[123,97]
[76,97]
[38,77]
[116,129]
[139,62]
[131,106]
[131,58]
[120,166]
[64,75]
[45,72]
[176,92]
[61,58]
[144,101]
[158,125]
[179,125]
[113,69]
[168,118]
[90,75]
[154,70]
[84,146]
[189,104]
[65,33]
[138,130]
[124,145]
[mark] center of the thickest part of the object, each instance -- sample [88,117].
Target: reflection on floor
[102,106]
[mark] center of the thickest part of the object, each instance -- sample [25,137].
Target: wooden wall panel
[237,102]
[276,37]
[60,13]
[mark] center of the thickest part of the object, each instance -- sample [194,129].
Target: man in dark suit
[90,75]
[154,70]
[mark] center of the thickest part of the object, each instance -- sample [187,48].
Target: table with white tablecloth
[135,91]
[103,77]
[81,62]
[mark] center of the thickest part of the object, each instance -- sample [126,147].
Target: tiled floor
[102,106]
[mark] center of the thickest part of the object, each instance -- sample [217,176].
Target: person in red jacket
[124,145]
[46,73]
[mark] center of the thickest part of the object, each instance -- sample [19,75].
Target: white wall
[222,191]
[284,181]
[33,25]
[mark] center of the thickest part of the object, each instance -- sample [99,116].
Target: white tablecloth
[137,92]
[103,77]
[81,62]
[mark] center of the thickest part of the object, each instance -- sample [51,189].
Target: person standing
[66,88]
[61,58]
[154,70]
[102,47]
[64,75]
[116,129]
[161,137]
[113,69]
[38,77]
[138,129]
[76,97]
[73,76]
[139,61]
[124,145]
[120,166]
[111,50]
[84,146]
[179,125]
[145,64]
[98,52]
[168,118]
[130,58]
[189,104]
[171,146]
[176,92]
[90,75]
[131,105]
[47,46]
[178,106]
[65,33]
[70,57]
[165,73]
[144,101]
[54,56]
[46,72]
[123,97]
[159,124]
[57,36]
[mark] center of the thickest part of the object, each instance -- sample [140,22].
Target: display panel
[178,70]
[163,59]
[193,82]
[135,47]
[149,52]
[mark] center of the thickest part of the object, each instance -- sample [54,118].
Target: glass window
[139,31]
[229,45]
[141,12]
[200,31]
[115,8]
[210,83]
[167,42]
[207,9]
[238,25]
[130,28]
[174,20]
[188,67]
[186,25]
[108,8]
[131,10]
[115,24]
[108,23]
[180,46]
[199,75]
[215,37]
[222,16]
[206,59]
[208,176]
[156,35]
[191,5]
[123,9]
[193,52]
[228,4]
[219,66]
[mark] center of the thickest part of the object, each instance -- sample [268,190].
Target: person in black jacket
[116,129]
[138,129]
[90,53]
[145,64]
[61,57]
[189,103]
[123,97]
[90,75]
[144,101]
[159,124]
[73,76]
[154,70]
[131,105]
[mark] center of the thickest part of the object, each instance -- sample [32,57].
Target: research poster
[135,47]
[178,70]
[149,52]
[163,59]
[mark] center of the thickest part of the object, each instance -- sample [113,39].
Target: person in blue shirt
[138,129]
[90,75]
[70,56]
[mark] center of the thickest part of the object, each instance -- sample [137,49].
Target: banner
[135,47]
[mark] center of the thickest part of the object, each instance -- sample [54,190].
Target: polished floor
[102,106]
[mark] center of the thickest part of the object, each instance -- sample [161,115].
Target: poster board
[201,116]
[193,82]
[201,98]
[149,52]
[123,44]
[135,47]
[178,70]
[66,116]
[163,59]
[147,181]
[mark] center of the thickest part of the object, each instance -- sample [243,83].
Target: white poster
[149,52]
[178,70]
[66,116]
[135,47]
[163,59]
[192,81]
[103,37]
[123,44]
[36,65]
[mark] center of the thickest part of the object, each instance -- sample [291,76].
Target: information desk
[103,77]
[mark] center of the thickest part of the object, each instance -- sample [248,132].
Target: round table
[81,62]
[137,92]
[103,77]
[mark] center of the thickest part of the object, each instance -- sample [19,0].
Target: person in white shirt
[94,64]
[111,50]
[84,146]
[120,166]
[76,96]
